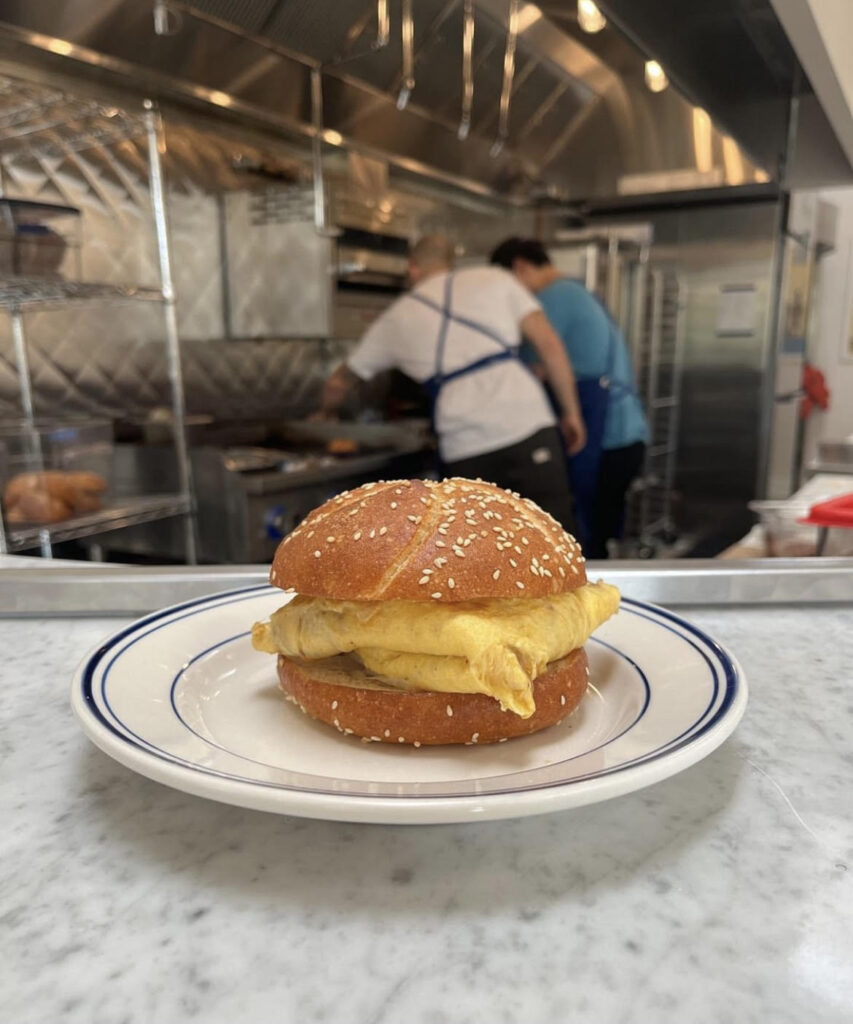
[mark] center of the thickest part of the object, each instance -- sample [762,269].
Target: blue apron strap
[463,320]
[480,364]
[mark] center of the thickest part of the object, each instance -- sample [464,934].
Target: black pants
[535,467]
[619,466]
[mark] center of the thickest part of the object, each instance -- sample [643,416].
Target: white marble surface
[724,894]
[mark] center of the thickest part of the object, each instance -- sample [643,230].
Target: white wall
[834,311]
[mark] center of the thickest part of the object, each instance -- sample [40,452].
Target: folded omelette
[495,647]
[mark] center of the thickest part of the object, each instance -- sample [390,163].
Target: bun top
[417,540]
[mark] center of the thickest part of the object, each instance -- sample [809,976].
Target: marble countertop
[722,894]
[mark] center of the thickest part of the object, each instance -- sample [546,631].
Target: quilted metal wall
[109,360]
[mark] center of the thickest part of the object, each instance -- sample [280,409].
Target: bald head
[431,254]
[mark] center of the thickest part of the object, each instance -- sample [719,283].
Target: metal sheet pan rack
[48,122]
[658,352]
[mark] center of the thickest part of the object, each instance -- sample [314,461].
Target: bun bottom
[378,713]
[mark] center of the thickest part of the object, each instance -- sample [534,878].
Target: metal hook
[408,41]
[383,25]
[509,74]
[166,21]
[467,69]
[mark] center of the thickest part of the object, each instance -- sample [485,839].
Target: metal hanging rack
[52,124]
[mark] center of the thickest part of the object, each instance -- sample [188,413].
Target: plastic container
[54,470]
[38,239]
[784,537]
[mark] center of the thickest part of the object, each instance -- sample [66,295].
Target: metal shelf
[39,121]
[23,293]
[130,512]
[36,208]
[48,122]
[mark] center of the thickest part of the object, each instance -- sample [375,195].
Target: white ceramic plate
[181,697]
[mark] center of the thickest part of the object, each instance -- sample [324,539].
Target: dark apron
[434,384]
[594,395]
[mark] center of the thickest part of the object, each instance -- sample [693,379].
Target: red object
[816,391]
[836,512]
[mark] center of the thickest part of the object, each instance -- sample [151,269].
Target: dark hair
[531,250]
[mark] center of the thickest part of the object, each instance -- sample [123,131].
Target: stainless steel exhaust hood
[558,114]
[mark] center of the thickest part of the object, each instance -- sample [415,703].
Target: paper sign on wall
[737,307]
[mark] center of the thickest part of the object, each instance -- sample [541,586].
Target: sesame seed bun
[425,718]
[418,540]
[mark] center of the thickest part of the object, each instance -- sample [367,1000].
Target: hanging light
[656,78]
[590,17]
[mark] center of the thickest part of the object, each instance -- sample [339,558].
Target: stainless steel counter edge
[125,590]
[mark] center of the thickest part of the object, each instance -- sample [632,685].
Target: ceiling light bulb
[590,17]
[656,78]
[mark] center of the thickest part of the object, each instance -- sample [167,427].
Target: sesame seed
[357,535]
[519,584]
[561,570]
[347,732]
[449,711]
[513,563]
[460,540]
[372,534]
[436,595]
[330,540]
[475,737]
[427,572]
[563,699]
[401,739]
[334,705]
[524,540]
[496,574]
[353,512]
[575,569]
[393,504]
[413,519]
[503,739]
[336,723]
[316,554]
[516,549]
[423,580]
[387,733]
[440,544]
[424,501]
[451,583]
[440,561]
[310,534]
[459,552]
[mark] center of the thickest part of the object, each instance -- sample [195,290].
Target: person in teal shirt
[616,447]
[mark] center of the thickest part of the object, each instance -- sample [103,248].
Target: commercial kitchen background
[689,165]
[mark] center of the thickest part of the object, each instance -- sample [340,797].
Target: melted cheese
[492,647]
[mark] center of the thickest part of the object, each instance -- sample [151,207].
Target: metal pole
[154,135]
[25,384]
[24,380]
[317,150]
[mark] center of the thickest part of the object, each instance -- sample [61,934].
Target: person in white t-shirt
[458,333]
